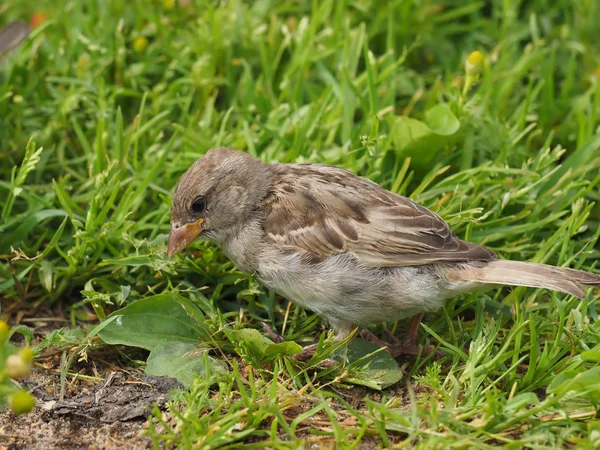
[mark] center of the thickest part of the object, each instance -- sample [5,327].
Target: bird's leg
[307,352]
[410,339]
[398,347]
[368,335]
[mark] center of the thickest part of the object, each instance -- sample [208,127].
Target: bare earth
[106,414]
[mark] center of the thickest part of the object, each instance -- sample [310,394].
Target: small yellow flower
[475,62]
[140,44]
[21,402]
[168,4]
[473,68]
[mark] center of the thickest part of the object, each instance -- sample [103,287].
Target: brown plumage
[326,210]
[340,244]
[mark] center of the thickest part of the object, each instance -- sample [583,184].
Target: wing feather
[325,211]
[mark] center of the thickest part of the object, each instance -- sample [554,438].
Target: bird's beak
[180,238]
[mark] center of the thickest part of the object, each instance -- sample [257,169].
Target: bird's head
[216,196]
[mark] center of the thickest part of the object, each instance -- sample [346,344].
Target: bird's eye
[199,204]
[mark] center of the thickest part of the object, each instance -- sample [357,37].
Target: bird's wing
[325,210]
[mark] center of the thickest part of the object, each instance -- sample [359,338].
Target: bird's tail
[518,273]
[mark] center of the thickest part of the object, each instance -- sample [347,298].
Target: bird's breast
[245,246]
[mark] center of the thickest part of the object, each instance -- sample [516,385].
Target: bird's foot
[399,347]
[271,333]
[306,353]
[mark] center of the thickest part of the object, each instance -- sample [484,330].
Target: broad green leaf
[381,369]
[591,355]
[422,140]
[153,321]
[102,325]
[182,361]
[441,120]
[584,383]
[257,349]
[520,401]
[411,137]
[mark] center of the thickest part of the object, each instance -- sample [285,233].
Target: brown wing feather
[325,210]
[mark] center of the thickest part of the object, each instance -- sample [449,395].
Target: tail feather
[518,273]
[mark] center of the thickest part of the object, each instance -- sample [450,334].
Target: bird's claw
[271,333]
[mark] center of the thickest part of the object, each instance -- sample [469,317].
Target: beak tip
[172,249]
[181,237]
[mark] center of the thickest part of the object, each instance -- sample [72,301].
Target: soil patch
[106,414]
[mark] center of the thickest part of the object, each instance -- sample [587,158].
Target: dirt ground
[99,415]
[104,401]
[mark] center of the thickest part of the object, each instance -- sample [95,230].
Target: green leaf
[61,337]
[24,331]
[153,321]
[378,369]
[422,140]
[102,325]
[590,355]
[520,401]
[441,120]
[584,383]
[46,275]
[257,349]
[413,139]
[182,361]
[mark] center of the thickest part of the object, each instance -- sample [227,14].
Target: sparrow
[341,245]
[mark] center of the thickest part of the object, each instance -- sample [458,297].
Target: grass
[124,96]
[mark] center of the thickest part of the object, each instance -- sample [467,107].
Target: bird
[341,245]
